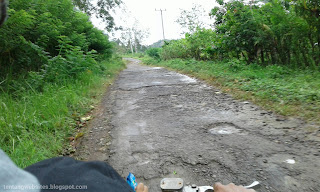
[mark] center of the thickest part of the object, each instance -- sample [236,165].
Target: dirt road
[157,123]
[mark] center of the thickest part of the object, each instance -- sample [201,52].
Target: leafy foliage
[190,20]
[199,45]
[38,32]
[51,61]
[101,8]
[154,52]
[276,32]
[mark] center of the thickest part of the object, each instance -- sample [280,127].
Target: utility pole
[162,21]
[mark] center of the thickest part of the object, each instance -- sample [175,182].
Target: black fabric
[65,171]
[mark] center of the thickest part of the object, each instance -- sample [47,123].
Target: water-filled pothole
[225,129]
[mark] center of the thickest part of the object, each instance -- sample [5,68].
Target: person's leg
[65,171]
[12,176]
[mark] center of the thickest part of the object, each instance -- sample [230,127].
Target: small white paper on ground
[290,161]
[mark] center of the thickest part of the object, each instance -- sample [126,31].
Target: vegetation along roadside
[278,88]
[53,66]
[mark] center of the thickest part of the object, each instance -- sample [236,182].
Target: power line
[161,10]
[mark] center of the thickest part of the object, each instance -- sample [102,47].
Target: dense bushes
[53,62]
[273,33]
[154,52]
[37,31]
[277,32]
[199,45]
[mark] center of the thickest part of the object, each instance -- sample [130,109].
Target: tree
[190,20]
[310,12]
[283,32]
[139,35]
[133,36]
[101,8]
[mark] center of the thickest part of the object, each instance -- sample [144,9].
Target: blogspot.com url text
[45,187]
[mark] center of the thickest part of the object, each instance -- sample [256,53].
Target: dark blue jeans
[67,174]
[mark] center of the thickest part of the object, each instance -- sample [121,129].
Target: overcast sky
[144,12]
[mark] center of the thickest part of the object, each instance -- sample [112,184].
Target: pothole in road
[225,129]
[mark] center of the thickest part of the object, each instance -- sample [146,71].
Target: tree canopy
[284,32]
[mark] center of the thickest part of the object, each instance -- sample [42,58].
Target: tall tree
[310,11]
[133,36]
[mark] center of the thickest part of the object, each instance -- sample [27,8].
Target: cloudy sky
[148,18]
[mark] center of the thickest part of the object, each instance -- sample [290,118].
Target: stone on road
[165,124]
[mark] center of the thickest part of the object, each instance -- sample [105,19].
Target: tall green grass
[279,88]
[34,125]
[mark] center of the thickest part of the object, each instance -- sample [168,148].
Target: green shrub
[52,61]
[154,52]
[236,65]
[36,33]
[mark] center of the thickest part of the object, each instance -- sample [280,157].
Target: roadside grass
[134,55]
[35,125]
[289,92]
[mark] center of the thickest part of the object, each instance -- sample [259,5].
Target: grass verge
[34,126]
[289,92]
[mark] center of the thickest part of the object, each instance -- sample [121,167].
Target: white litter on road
[290,161]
